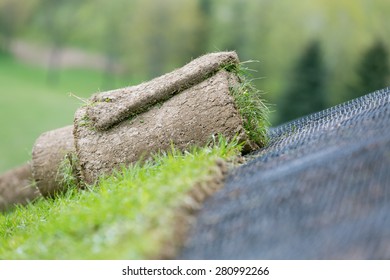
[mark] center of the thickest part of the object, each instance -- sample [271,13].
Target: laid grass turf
[127,216]
[30,106]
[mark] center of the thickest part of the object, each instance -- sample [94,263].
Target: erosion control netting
[319,190]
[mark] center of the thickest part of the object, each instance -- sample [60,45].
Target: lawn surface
[128,216]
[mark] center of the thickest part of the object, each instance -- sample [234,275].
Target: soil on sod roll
[186,119]
[16,187]
[111,107]
[49,152]
[183,108]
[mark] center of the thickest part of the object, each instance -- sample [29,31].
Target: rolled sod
[183,108]
[17,187]
[187,119]
[49,152]
[111,107]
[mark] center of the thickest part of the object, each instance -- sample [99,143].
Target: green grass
[30,106]
[250,103]
[127,216]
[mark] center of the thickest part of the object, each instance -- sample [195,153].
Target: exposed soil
[189,118]
[16,187]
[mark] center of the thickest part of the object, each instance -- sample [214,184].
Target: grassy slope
[128,216]
[29,106]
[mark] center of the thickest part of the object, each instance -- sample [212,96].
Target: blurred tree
[165,36]
[305,93]
[13,16]
[158,44]
[373,71]
[59,22]
[191,37]
[8,15]
[156,36]
[203,32]
[113,38]
[238,27]
[230,25]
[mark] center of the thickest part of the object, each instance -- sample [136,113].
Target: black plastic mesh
[319,190]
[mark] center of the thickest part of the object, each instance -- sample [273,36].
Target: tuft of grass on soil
[250,103]
[129,215]
[67,173]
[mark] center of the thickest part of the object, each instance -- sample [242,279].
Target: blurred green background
[312,54]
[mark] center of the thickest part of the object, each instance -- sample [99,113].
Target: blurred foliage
[29,106]
[150,37]
[306,91]
[14,16]
[373,71]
